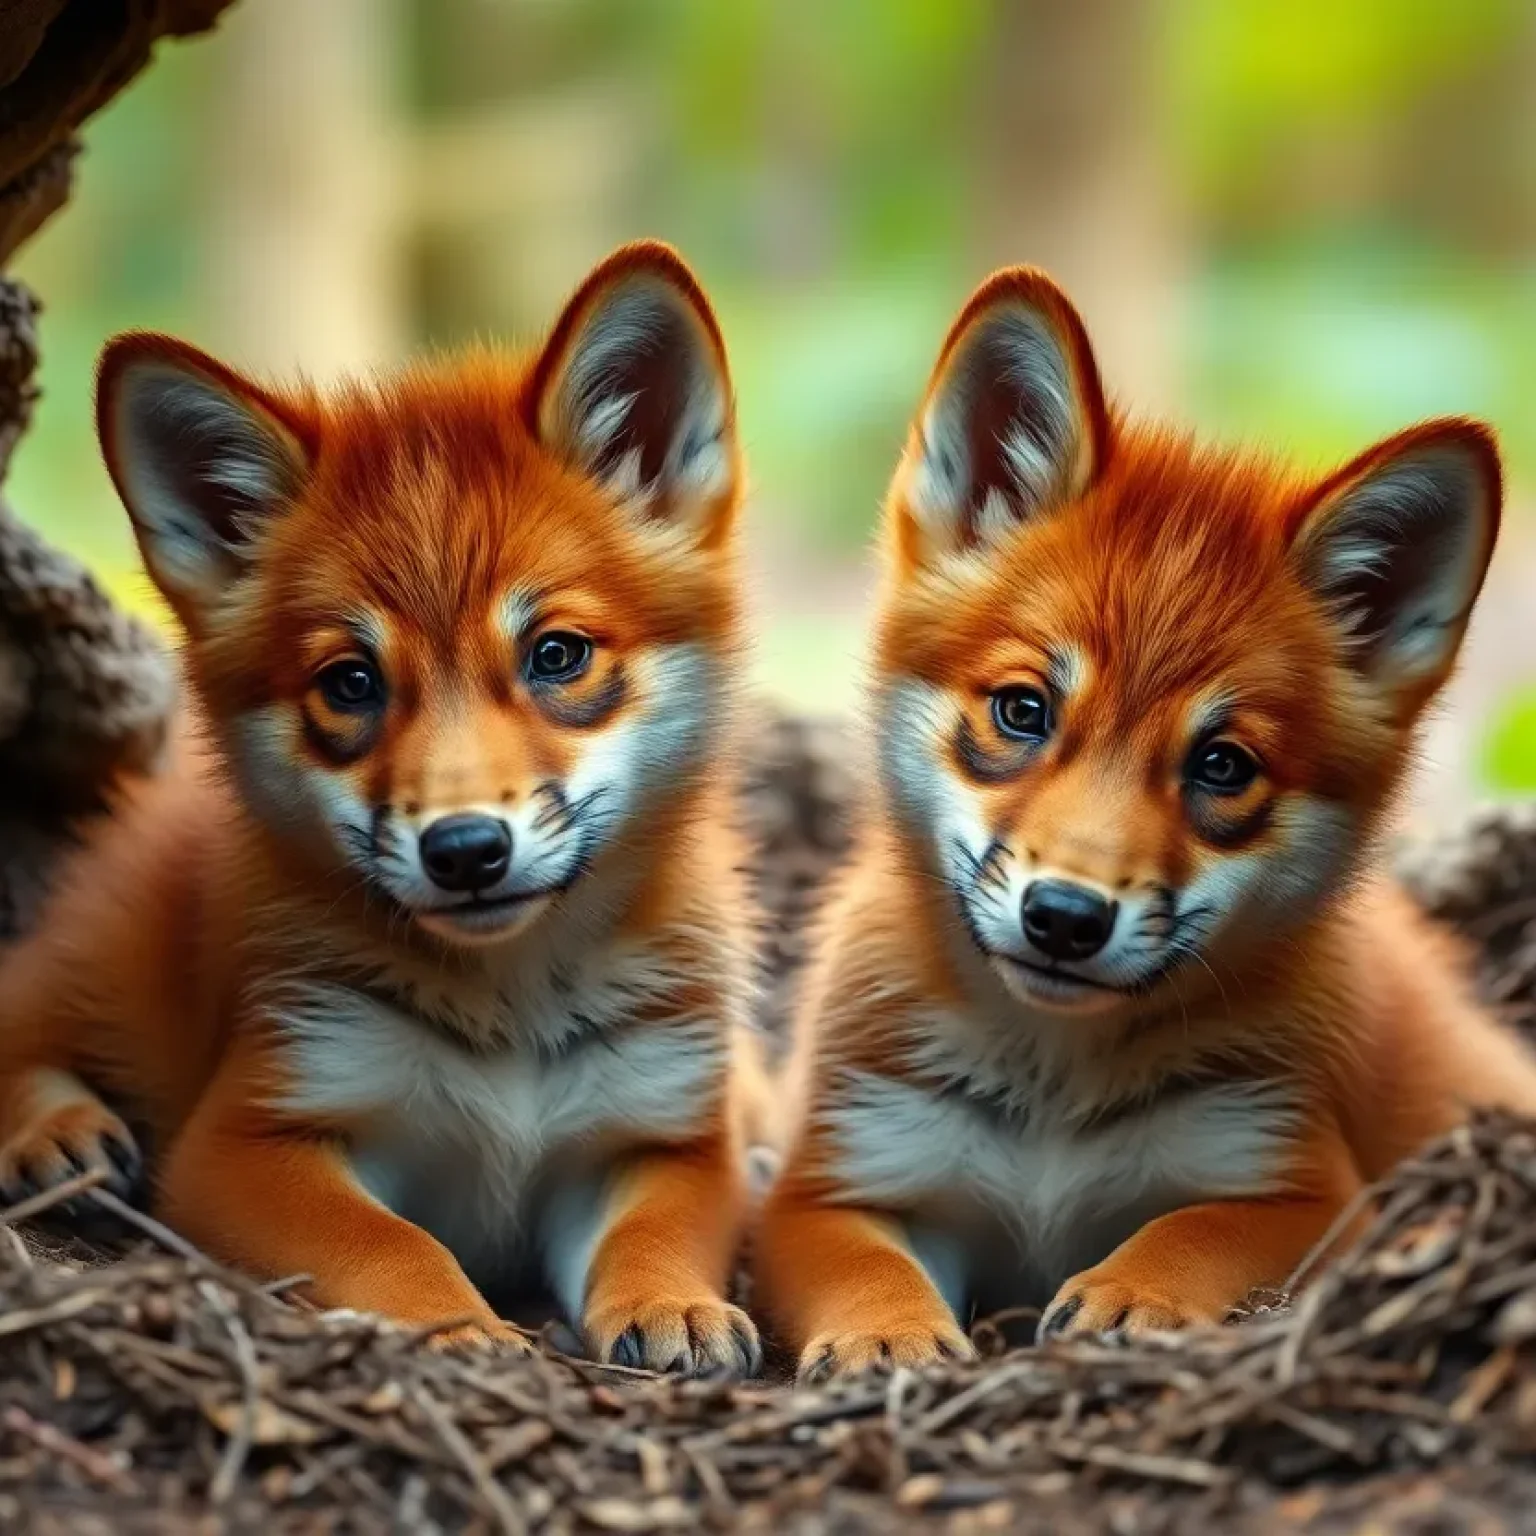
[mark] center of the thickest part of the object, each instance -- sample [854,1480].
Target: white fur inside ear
[1399,558]
[199,469]
[642,402]
[1003,434]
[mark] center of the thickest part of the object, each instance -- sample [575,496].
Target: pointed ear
[200,458]
[633,389]
[1397,543]
[1014,422]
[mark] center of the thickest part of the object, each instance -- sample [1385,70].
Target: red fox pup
[422,969]
[1109,1014]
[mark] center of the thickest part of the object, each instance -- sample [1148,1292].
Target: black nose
[466,853]
[1066,921]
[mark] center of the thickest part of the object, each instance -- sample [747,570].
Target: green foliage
[1509,752]
[1248,74]
[1320,346]
[815,158]
[125,253]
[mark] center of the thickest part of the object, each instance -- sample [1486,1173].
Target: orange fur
[348,1049]
[1097,1022]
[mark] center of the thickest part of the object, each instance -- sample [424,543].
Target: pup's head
[1141,703]
[459,631]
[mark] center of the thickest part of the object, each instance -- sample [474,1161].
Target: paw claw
[71,1138]
[1058,1318]
[1089,1306]
[819,1370]
[911,1347]
[124,1157]
[695,1338]
[629,1349]
[496,1338]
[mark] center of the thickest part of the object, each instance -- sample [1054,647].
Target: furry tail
[797,803]
[762,1121]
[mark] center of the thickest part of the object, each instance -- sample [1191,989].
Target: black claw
[629,1349]
[24,1188]
[124,1157]
[820,1368]
[1119,1320]
[1055,1323]
[749,1350]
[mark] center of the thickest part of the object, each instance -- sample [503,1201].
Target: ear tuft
[1397,544]
[633,387]
[200,458]
[1015,420]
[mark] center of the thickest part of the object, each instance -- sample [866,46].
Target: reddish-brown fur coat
[245,965]
[1141,1157]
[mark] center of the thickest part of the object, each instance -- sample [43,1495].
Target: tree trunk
[1073,176]
[301,261]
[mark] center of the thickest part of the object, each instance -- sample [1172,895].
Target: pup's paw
[1097,1303]
[497,1338]
[911,1345]
[60,1142]
[691,1338]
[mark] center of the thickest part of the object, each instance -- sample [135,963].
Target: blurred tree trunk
[527,163]
[303,240]
[1075,175]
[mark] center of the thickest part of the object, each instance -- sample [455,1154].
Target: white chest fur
[480,1147]
[1010,1205]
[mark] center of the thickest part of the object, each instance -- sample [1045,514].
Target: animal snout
[466,853]
[1067,921]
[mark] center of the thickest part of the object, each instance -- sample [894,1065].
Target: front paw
[61,1143]
[689,1338]
[1096,1302]
[911,1345]
[494,1337]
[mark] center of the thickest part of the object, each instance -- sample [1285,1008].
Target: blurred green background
[1302,222]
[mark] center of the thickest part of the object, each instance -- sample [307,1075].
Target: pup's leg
[845,1291]
[666,1231]
[1195,1265]
[275,1201]
[52,1126]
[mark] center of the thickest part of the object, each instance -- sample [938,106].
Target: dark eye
[351,685]
[557,657]
[1022,713]
[1221,767]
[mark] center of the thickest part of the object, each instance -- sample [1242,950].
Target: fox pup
[423,968]
[1110,1015]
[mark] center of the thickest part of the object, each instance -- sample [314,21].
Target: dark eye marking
[1211,821]
[593,710]
[983,766]
[1023,717]
[355,698]
[346,744]
[1217,775]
